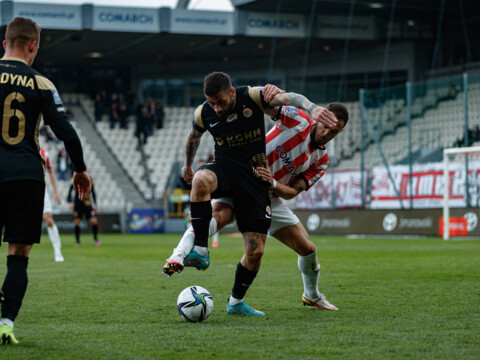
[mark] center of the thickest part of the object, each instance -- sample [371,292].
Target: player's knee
[48,219]
[203,183]
[307,249]
[255,255]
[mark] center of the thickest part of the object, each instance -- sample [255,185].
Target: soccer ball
[195,304]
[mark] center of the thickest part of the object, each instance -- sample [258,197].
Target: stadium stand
[109,195]
[437,122]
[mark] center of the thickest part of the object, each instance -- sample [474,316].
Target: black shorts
[21,211]
[80,210]
[250,197]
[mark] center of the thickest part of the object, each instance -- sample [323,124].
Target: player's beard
[224,114]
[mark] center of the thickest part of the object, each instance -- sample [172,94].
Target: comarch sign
[201,22]
[51,16]
[281,25]
[126,19]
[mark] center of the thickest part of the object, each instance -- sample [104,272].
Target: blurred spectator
[114,117]
[160,115]
[186,217]
[150,116]
[130,99]
[471,139]
[49,137]
[62,164]
[69,113]
[452,92]
[140,120]
[99,107]
[123,115]
[113,100]
[476,134]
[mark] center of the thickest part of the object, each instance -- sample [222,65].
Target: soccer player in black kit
[85,208]
[235,119]
[25,95]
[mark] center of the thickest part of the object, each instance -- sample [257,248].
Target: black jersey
[25,95]
[240,137]
[76,200]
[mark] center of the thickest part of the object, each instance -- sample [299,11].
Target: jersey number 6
[8,114]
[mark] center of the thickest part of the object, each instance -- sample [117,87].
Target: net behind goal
[461,192]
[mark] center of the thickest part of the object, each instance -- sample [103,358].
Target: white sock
[212,228]
[215,237]
[187,241]
[5,321]
[310,269]
[55,238]
[202,250]
[232,301]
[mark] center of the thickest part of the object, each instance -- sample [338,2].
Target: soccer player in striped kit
[47,209]
[297,159]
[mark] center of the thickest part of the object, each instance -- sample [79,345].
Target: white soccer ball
[195,304]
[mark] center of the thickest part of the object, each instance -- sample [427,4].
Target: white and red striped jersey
[289,150]
[46,158]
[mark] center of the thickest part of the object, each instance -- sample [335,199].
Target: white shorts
[47,205]
[282,216]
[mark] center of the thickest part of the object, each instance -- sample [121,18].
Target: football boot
[319,302]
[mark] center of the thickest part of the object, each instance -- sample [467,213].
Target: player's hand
[187,174]
[324,116]
[58,198]
[270,91]
[70,206]
[82,184]
[265,174]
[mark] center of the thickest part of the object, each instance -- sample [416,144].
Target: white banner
[50,16]
[427,185]
[126,19]
[336,27]
[270,24]
[202,22]
[348,191]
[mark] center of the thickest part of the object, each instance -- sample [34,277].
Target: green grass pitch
[398,299]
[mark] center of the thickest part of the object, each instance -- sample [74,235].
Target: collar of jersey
[14,59]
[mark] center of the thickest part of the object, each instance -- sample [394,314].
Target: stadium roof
[116,49]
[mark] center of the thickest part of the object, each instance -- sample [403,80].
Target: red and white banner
[348,191]
[427,186]
[457,226]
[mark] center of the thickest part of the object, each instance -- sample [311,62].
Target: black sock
[77,234]
[243,280]
[95,232]
[201,214]
[14,286]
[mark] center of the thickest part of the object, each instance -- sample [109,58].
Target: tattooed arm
[193,142]
[319,114]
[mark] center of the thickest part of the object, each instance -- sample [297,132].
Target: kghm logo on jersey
[247,112]
[232,117]
[240,139]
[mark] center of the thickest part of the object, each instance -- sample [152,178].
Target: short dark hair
[20,31]
[340,111]
[216,82]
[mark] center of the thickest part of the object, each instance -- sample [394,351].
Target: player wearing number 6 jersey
[25,95]
[297,159]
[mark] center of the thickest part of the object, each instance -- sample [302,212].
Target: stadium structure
[407,71]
